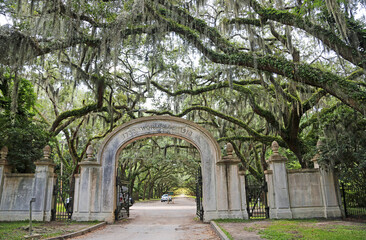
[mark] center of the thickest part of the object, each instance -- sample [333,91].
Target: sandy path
[158,221]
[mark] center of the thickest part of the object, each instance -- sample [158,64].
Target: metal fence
[199,206]
[63,201]
[354,200]
[257,206]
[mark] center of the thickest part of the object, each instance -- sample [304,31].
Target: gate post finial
[229,158]
[45,160]
[229,149]
[4,165]
[46,152]
[3,154]
[276,157]
[275,146]
[89,153]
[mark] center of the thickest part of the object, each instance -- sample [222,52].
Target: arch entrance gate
[222,185]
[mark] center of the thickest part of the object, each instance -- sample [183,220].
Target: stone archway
[95,186]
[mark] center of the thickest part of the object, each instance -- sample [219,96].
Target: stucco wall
[303,193]
[17,190]
[305,188]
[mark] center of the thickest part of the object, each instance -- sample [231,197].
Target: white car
[166,197]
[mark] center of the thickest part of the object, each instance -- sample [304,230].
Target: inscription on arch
[157,128]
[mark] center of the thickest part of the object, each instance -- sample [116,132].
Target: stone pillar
[278,186]
[329,186]
[222,189]
[4,168]
[43,186]
[243,194]
[315,159]
[330,193]
[87,189]
[229,191]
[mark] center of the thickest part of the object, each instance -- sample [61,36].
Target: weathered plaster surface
[100,191]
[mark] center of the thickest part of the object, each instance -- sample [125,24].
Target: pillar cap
[46,160]
[229,149]
[47,151]
[90,154]
[229,158]
[276,157]
[90,160]
[45,163]
[46,155]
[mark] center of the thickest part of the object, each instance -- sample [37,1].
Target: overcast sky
[3,20]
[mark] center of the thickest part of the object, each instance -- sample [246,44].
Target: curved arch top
[158,125]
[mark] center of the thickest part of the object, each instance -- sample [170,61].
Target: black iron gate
[353,200]
[124,200]
[63,201]
[257,205]
[199,209]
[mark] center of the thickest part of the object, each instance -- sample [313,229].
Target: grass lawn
[297,229]
[13,230]
[312,229]
[17,230]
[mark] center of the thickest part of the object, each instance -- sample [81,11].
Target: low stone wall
[306,197]
[16,191]
[303,193]
[15,197]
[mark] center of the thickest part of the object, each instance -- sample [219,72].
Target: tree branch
[347,91]
[257,136]
[326,36]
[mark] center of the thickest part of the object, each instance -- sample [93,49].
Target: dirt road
[158,221]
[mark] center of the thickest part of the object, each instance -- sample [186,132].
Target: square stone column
[87,204]
[278,186]
[222,188]
[243,194]
[330,190]
[43,187]
[4,168]
[329,187]
[230,188]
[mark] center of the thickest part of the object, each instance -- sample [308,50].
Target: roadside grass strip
[231,220]
[311,229]
[17,230]
[224,231]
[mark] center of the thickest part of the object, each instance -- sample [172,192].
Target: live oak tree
[285,59]
[24,138]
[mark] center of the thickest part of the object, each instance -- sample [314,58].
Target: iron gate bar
[354,200]
[63,202]
[199,206]
[123,197]
[257,205]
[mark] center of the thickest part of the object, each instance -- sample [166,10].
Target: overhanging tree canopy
[281,58]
